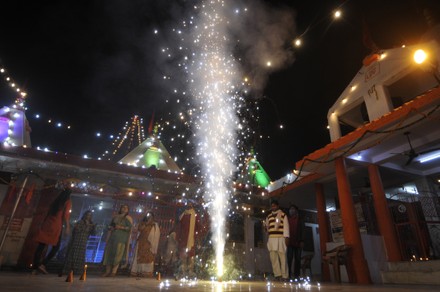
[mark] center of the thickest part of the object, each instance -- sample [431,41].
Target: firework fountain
[206,49]
[214,73]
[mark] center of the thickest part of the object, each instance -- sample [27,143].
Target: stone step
[416,266]
[421,277]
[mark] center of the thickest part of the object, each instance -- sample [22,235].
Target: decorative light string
[128,137]
[20,99]
[180,139]
[131,132]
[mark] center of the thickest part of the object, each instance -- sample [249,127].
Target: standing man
[277,225]
[296,241]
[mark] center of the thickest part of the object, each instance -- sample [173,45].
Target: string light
[20,100]
[183,121]
[129,135]
[132,135]
[336,15]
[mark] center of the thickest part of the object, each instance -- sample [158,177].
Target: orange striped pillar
[414,222]
[324,235]
[357,264]
[383,215]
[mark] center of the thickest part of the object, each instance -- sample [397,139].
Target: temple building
[375,186]
[146,178]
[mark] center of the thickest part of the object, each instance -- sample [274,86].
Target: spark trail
[214,73]
[214,45]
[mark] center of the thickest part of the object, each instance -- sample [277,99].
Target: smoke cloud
[263,38]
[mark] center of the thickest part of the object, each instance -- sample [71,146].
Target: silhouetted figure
[296,242]
[51,230]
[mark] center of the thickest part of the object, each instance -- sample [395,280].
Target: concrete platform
[21,281]
[418,272]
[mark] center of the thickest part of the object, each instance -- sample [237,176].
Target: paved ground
[21,281]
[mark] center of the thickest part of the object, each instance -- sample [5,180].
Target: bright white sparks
[210,46]
[214,72]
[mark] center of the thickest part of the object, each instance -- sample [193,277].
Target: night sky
[95,64]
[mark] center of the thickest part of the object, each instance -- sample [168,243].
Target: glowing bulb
[420,56]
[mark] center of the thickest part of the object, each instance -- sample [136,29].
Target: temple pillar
[383,215]
[357,267]
[324,235]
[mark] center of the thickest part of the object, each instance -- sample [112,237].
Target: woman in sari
[146,247]
[116,249]
[76,250]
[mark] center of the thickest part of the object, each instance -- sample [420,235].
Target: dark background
[94,64]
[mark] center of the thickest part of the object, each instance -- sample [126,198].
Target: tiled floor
[20,281]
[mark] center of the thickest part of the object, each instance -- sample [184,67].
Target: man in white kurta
[277,225]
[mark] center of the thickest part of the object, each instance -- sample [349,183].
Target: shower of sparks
[217,120]
[213,74]
[215,109]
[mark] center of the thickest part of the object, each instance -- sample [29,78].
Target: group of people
[51,231]
[285,241]
[117,249]
[180,244]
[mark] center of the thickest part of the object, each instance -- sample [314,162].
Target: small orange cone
[70,277]
[84,275]
[158,276]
